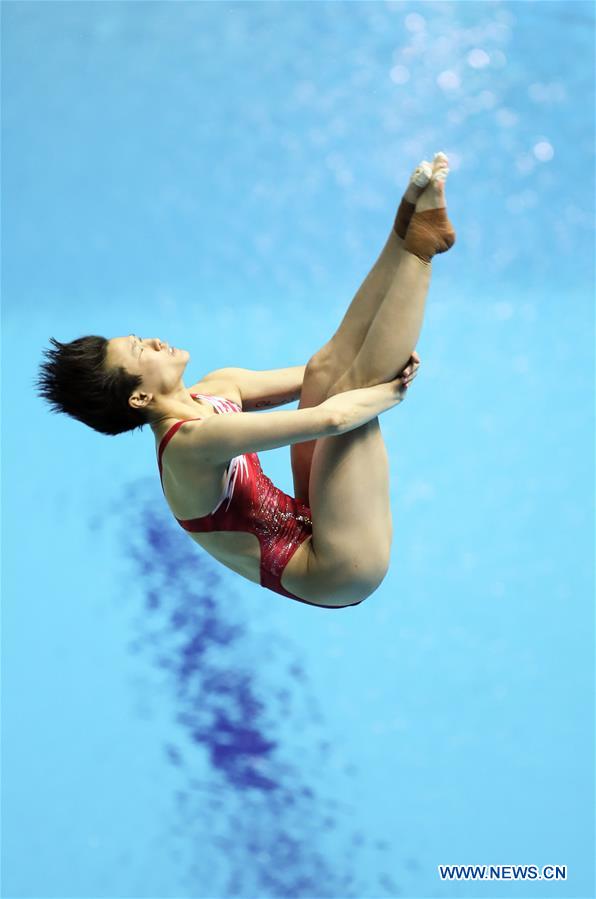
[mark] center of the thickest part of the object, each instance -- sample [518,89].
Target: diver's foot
[433,197]
[430,231]
[419,179]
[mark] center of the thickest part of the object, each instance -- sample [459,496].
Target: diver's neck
[176,410]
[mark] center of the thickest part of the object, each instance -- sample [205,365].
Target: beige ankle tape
[402,219]
[429,232]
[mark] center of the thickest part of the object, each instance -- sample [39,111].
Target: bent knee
[360,586]
[330,361]
[321,361]
[371,578]
[349,581]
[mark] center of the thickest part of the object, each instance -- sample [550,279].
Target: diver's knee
[324,367]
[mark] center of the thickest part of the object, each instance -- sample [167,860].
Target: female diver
[330,545]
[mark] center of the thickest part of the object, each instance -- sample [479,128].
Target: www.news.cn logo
[502,872]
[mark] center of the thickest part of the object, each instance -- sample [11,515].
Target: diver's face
[160,365]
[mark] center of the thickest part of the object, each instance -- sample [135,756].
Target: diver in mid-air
[329,545]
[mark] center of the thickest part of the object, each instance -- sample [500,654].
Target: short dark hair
[75,379]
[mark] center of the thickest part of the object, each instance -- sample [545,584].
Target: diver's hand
[353,408]
[410,370]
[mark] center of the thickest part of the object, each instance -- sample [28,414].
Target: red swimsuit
[252,503]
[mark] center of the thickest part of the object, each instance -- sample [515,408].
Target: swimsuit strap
[168,436]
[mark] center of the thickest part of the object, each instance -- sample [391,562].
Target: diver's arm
[219,438]
[262,389]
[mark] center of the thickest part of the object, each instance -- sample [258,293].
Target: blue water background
[223,176]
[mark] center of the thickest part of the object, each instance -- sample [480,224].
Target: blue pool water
[223,176]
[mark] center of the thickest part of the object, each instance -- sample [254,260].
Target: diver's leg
[348,554]
[394,333]
[394,330]
[347,340]
[396,327]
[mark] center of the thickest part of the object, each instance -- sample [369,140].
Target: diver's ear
[140,400]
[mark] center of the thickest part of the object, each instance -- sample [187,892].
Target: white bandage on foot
[422,174]
[439,168]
